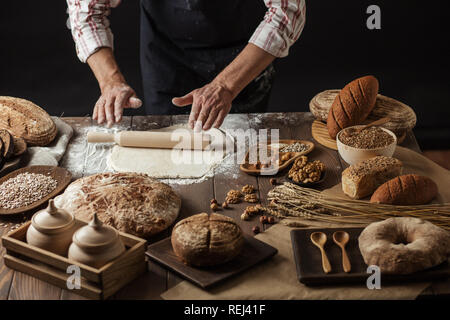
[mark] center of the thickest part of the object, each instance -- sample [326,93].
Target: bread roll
[362,179]
[410,189]
[352,105]
[207,240]
[22,118]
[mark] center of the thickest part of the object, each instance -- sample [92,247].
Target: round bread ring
[404,245]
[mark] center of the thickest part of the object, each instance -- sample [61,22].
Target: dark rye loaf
[24,119]
[207,240]
[352,105]
[410,189]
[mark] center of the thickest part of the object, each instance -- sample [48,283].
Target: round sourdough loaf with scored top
[130,202]
[207,240]
[404,245]
[22,118]
[409,189]
[352,105]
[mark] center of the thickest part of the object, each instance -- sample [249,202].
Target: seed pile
[369,138]
[25,189]
[294,147]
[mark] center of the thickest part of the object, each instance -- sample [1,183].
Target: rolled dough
[170,163]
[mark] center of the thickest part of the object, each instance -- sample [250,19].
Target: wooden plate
[62,177]
[245,167]
[253,252]
[309,262]
[320,133]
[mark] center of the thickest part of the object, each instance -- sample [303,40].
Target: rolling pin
[153,139]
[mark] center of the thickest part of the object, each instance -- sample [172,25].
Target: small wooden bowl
[309,184]
[62,177]
[246,167]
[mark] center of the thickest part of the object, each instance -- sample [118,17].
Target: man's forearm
[104,66]
[244,68]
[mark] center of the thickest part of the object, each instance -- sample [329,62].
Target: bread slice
[8,143]
[352,105]
[362,179]
[410,189]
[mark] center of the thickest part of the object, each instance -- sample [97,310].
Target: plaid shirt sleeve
[89,25]
[282,25]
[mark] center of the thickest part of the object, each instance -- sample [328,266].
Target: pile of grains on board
[294,147]
[25,189]
[368,138]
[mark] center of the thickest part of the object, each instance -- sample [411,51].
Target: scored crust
[24,119]
[130,202]
[207,240]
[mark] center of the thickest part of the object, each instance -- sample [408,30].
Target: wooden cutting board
[253,252]
[61,175]
[320,133]
[309,262]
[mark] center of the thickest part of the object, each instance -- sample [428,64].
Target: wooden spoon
[378,122]
[319,239]
[341,238]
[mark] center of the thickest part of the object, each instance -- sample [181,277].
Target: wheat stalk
[290,200]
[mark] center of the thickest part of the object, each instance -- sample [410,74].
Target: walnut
[233,196]
[245,216]
[252,198]
[303,171]
[248,188]
[252,210]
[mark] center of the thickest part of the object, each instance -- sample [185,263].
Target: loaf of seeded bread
[207,240]
[410,189]
[363,178]
[352,105]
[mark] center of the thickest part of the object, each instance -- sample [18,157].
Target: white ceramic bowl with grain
[353,155]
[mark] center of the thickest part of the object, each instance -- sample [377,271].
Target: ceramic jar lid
[52,219]
[95,236]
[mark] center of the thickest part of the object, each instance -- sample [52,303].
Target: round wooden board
[62,177]
[320,133]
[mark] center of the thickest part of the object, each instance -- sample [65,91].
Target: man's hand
[116,96]
[116,93]
[210,105]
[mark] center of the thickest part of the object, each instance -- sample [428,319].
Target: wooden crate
[52,268]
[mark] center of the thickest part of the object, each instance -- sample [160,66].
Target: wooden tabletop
[82,160]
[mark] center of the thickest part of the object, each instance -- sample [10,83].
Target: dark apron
[186,43]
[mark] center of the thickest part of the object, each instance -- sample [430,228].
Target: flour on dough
[168,163]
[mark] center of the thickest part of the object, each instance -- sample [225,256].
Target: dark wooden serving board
[253,252]
[309,262]
[61,175]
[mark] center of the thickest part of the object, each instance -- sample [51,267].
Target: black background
[409,56]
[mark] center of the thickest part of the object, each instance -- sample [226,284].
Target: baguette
[363,178]
[352,105]
[410,189]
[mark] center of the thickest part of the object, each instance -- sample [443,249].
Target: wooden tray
[52,268]
[245,166]
[253,252]
[62,176]
[309,262]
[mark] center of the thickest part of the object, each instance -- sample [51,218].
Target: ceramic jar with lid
[52,229]
[96,244]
